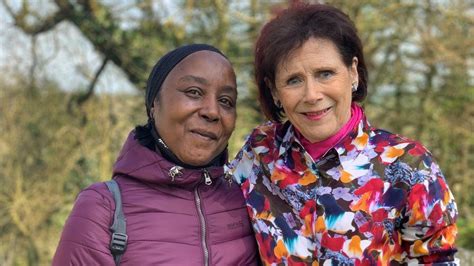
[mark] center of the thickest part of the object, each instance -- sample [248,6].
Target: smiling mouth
[318,114]
[205,134]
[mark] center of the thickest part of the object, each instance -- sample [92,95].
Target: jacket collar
[141,163]
[289,142]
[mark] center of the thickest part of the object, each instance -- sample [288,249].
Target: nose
[312,93]
[210,110]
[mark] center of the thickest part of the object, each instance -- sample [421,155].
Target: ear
[353,70]
[156,103]
[152,112]
[273,90]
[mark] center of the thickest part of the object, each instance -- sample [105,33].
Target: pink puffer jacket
[168,222]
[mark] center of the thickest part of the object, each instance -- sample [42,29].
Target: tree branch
[103,35]
[82,98]
[32,29]
[90,91]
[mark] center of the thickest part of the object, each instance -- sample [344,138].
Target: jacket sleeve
[429,229]
[86,236]
[243,166]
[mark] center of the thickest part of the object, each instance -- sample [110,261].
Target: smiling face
[195,110]
[314,87]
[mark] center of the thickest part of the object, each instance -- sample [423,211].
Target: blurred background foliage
[58,138]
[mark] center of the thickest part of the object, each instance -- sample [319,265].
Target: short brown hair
[289,30]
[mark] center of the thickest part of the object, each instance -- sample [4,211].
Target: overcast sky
[63,54]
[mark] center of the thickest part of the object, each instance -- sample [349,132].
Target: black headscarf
[165,65]
[147,135]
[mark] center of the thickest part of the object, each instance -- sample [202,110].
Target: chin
[195,162]
[201,155]
[320,137]
[198,160]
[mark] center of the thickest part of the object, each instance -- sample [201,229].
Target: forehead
[202,61]
[318,51]
[204,69]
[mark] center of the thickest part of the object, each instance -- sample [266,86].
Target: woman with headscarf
[323,186]
[178,206]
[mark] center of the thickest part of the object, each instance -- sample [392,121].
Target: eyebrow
[203,81]
[199,80]
[229,89]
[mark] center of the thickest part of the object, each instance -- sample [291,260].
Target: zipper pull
[174,172]
[228,177]
[207,178]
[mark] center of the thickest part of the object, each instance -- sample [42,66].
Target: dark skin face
[195,110]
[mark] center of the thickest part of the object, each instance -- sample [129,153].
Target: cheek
[342,95]
[344,100]
[288,99]
[228,121]
[348,97]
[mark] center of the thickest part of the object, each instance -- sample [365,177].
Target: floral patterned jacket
[375,199]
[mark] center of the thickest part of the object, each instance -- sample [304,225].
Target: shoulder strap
[118,242]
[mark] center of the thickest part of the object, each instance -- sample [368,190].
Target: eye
[227,102]
[294,81]
[193,92]
[325,74]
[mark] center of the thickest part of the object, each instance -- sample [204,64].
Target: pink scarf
[318,149]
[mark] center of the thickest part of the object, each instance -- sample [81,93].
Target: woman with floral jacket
[323,186]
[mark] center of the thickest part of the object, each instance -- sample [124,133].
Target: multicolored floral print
[375,199]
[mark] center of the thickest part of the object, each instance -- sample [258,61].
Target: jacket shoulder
[85,237]
[266,129]
[397,148]
[267,134]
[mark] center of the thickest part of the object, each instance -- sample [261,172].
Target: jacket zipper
[207,177]
[207,181]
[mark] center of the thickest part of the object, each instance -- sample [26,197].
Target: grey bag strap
[118,242]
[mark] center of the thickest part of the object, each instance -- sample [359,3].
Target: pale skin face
[195,111]
[314,87]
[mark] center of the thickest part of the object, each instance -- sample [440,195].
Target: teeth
[319,112]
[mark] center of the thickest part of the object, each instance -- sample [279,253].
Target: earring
[354,86]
